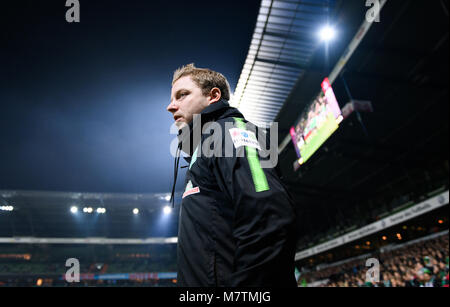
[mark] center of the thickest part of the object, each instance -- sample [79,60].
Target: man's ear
[215,95]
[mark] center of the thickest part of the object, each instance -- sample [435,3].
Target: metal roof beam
[260,114]
[277,73]
[257,103]
[294,70]
[287,64]
[257,89]
[267,94]
[306,3]
[300,45]
[273,76]
[272,84]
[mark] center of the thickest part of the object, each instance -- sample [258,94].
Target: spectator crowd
[422,264]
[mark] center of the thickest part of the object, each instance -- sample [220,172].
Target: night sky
[83,105]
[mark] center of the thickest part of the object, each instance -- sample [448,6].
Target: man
[237,222]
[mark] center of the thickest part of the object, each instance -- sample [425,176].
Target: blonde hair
[205,78]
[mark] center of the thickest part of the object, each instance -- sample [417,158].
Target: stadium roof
[284,40]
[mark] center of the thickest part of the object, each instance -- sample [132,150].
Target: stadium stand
[419,264]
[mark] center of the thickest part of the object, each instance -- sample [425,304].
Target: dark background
[83,105]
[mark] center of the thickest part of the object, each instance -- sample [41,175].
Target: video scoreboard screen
[317,123]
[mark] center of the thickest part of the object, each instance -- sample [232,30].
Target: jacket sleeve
[263,220]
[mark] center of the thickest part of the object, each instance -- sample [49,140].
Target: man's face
[186,100]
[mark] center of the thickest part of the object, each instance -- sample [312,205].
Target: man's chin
[180,125]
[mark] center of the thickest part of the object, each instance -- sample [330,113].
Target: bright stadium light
[6,208]
[74,209]
[167,197]
[327,33]
[88,210]
[135,211]
[101,210]
[167,210]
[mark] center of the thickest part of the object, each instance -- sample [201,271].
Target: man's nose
[172,107]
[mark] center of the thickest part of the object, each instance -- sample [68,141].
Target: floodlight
[167,210]
[327,33]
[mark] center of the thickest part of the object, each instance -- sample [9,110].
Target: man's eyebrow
[178,92]
[181,90]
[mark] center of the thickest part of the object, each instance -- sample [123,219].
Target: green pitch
[319,137]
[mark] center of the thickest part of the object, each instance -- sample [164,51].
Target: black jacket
[237,221]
